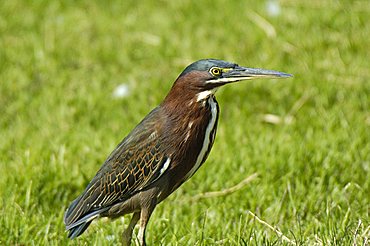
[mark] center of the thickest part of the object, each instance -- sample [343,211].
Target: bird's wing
[135,163]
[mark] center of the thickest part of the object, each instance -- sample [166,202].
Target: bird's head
[203,77]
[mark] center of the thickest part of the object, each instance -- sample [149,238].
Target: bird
[162,152]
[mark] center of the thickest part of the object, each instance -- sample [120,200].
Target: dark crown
[207,64]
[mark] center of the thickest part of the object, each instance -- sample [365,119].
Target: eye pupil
[216,71]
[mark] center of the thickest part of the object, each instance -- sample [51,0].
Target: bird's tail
[73,223]
[78,230]
[77,218]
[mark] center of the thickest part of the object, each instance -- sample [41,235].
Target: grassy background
[60,63]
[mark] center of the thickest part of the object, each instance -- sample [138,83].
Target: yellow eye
[215,71]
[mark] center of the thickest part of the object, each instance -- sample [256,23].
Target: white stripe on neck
[205,94]
[206,141]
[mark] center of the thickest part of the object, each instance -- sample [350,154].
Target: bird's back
[133,165]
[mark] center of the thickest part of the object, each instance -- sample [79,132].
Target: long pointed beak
[245,73]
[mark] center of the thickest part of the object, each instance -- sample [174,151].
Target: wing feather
[136,163]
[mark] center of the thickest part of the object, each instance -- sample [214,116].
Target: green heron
[163,151]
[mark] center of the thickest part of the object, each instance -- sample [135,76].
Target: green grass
[61,62]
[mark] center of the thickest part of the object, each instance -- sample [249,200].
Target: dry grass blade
[226,191]
[279,233]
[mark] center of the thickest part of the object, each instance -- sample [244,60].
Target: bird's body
[161,152]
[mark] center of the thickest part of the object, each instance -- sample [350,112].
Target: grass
[61,61]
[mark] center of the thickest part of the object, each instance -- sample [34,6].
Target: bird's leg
[127,234]
[144,218]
